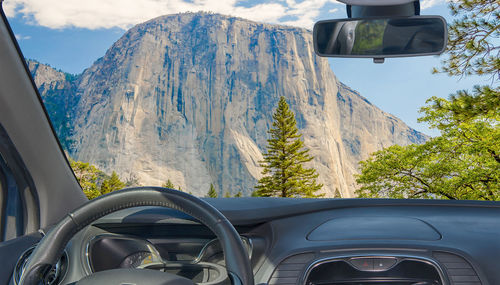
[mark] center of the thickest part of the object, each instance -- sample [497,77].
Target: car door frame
[27,124]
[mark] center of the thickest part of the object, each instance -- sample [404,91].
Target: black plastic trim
[22,178]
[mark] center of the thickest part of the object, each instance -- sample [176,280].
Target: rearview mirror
[381,37]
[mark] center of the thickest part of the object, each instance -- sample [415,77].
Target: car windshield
[228,99]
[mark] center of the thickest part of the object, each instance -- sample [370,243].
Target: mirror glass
[381,37]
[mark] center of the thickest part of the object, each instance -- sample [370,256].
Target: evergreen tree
[473,39]
[112,184]
[168,184]
[238,195]
[212,193]
[337,193]
[284,174]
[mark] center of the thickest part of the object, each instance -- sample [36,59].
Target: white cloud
[305,11]
[8,8]
[95,14]
[20,37]
[425,4]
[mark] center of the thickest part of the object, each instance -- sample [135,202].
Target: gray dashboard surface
[369,228]
[468,229]
[249,211]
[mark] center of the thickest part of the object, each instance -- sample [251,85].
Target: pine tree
[337,193]
[212,193]
[168,184]
[112,184]
[284,174]
[238,195]
[473,39]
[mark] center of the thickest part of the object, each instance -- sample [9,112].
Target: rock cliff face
[58,91]
[190,98]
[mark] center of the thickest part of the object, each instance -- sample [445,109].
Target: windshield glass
[232,101]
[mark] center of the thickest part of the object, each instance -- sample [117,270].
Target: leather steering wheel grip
[51,247]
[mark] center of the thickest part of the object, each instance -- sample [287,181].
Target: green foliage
[464,161]
[473,39]
[93,181]
[89,178]
[237,195]
[369,37]
[337,193]
[211,192]
[57,104]
[481,107]
[284,174]
[69,76]
[168,184]
[111,184]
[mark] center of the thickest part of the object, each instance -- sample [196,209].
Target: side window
[11,224]
[19,211]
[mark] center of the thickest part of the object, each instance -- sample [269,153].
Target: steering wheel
[51,247]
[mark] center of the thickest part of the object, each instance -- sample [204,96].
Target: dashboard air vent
[458,269]
[289,270]
[55,275]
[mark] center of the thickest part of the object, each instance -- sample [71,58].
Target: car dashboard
[302,242]
[180,247]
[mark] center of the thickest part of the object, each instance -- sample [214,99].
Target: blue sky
[71,34]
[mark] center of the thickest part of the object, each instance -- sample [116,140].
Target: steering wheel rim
[52,245]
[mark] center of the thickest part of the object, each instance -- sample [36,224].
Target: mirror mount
[400,10]
[381,8]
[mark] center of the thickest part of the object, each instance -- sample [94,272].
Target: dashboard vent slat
[458,269]
[291,267]
[289,270]
[286,274]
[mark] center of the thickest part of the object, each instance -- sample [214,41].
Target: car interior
[50,233]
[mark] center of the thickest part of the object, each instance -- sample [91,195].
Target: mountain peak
[211,17]
[190,97]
